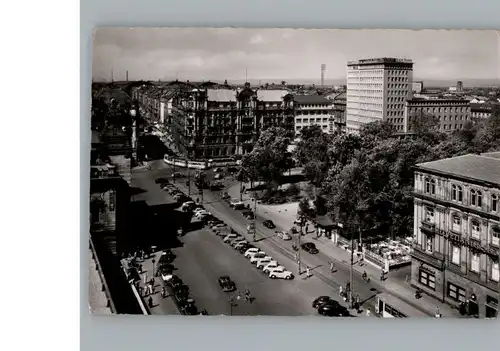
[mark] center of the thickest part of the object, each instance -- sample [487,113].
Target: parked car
[235,203]
[245,247]
[224,195]
[261,263]
[269,224]
[226,284]
[310,248]
[333,309]
[237,241]
[189,309]
[270,266]
[240,245]
[283,235]
[321,300]
[280,273]
[177,175]
[257,256]
[218,176]
[252,251]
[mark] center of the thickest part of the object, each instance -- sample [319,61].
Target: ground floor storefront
[472,298]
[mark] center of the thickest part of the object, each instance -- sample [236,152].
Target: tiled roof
[221,95]
[480,108]
[311,99]
[271,95]
[474,167]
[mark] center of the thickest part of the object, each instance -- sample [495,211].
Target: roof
[311,99]
[341,97]
[473,167]
[494,154]
[221,95]
[480,108]
[271,95]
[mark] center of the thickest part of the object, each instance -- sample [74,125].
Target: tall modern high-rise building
[377,90]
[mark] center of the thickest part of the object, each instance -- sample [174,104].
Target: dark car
[181,292]
[226,284]
[333,309]
[166,258]
[175,281]
[309,247]
[164,269]
[269,224]
[161,181]
[321,301]
[248,214]
[189,309]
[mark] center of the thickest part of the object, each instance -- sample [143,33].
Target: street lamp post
[302,220]
[254,217]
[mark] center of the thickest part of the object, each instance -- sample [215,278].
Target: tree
[303,208]
[283,82]
[269,158]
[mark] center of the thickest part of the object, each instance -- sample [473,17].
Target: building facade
[377,90]
[339,117]
[451,114]
[457,232]
[417,87]
[313,110]
[480,111]
[221,123]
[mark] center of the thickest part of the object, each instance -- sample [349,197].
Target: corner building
[377,90]
[456,231]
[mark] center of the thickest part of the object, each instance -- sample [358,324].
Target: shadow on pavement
[136,191]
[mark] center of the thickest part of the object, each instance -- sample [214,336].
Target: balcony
[434,259]
[428,227]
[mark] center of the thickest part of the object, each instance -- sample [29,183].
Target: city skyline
[238,54]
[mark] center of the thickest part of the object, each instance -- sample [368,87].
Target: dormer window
[430,186]
[457,193]
[476,198]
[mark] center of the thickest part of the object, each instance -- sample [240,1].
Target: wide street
[323,282]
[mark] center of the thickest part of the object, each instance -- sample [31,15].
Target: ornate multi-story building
[313,110]
[377,90]
[457,231]
[219,123]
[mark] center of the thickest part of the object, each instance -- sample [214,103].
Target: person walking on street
[340,291]
[163,292]
[332,267]
[368,313]
[308,272]
[141,290]
[145,279]
[150,302]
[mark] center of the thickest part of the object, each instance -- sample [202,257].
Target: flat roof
[222,95]
[379,61]
[271,95]
[473,167]
[312,99]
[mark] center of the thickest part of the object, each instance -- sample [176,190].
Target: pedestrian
[308,273]
[163,292]
[141,290]
[368,313]
[332,266]
[340,291]
[150,302]
[307,228]
[145,279]
[438,314]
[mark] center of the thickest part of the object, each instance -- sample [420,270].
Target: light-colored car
[230,237]
[283,235]
[263,262]
[252,251]
[271,265]
[237,241]
[236,203]
[280,273]
[257,256]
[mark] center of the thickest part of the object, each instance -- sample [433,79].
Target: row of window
[395,113]
[314,112]
[398,86]
[457,194]
[475,226]
[306,120]
[396,120]
[324,126]
[440,109]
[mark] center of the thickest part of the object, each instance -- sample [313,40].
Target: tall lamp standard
[302,220]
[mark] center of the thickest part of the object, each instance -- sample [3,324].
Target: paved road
[204,258]
[282,251]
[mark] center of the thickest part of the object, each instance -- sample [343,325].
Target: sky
[198,54]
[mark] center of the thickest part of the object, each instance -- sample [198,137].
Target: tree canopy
[369,183]
[269,158]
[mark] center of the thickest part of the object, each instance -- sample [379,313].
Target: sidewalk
[160,305]
[283,215]
[394,286]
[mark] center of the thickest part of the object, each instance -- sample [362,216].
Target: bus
[387,306]
[180,162]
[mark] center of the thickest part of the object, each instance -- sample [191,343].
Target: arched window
[475,198]
[456,223]
[456,193]
[430,186]
[429,214]
[494,203]
[476,229]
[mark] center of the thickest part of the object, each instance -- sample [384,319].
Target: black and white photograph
[295,172]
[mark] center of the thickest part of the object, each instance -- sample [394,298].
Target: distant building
[417,87]
[339,113]
[377,90]
[313,110]
[456,246]
[451,113]
[480,111]
[452,89]
[479,100]
[460,86]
